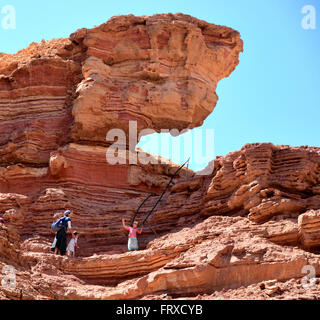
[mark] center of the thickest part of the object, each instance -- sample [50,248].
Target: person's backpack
[57,225]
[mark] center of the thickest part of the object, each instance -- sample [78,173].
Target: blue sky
[272,96]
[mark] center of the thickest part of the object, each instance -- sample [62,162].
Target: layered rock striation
[60,98]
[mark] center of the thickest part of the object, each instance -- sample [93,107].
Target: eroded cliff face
[160,71]
[254,218]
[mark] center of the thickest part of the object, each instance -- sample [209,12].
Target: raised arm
[124,224]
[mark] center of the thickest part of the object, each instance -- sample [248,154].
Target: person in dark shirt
[61,236]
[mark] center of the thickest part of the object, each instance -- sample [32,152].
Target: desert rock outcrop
[245,230]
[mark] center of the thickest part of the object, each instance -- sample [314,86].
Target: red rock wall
[255,218]
[35,111]
[161,71]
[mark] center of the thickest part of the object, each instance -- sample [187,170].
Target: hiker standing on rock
[132,241]
[73,244]
[60,244]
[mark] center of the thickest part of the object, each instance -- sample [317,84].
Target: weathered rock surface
[35,107]
[161,71]
[244,231]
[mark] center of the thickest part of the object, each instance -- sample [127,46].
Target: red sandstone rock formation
[245,230]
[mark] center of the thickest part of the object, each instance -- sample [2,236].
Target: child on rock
[132,241]
[72,245]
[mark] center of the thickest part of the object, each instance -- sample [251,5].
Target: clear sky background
[272,96]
